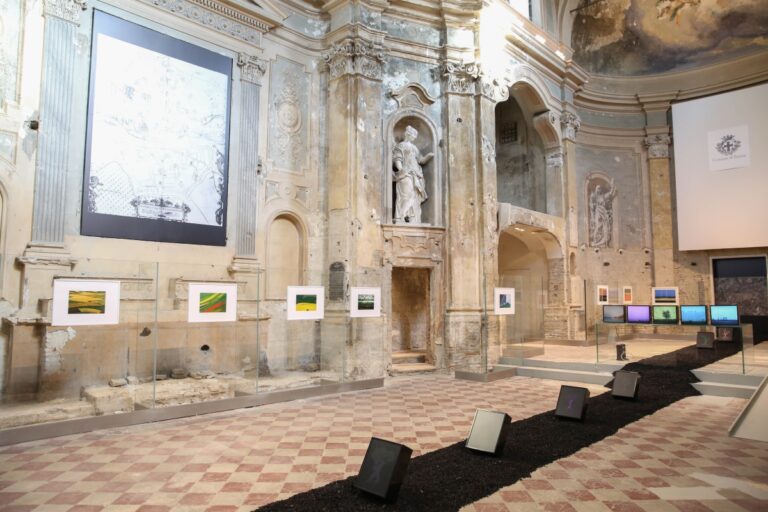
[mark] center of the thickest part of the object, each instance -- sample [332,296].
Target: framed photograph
[504,301]
[364,302]
[212,302]
[81,302]
[602,294]
[664,295]
[626,295]
[157,137]
[306,303]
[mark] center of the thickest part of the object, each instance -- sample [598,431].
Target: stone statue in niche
[601,216]
[410,187]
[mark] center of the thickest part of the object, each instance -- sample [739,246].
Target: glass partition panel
[78,343]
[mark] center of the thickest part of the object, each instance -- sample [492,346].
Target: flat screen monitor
[638,314]
[724,315]
[613,314]
[693,315]
[665,314]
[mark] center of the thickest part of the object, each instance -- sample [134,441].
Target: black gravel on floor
[452,477]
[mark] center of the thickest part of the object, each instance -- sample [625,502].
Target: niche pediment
[412,95]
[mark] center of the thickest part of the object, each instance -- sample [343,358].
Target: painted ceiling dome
[637,37]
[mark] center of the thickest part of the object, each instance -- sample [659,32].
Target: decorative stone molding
[658,145]
[460,78]
[494,89]
[67,10]
[355,56]
[406,243]
[488,150]
[252,68]
[412,95]
[555,158]
[218,16]
[570,124]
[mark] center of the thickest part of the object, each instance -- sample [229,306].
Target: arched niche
[412,100]
[285,255]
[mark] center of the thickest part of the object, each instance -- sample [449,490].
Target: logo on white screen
[728,148]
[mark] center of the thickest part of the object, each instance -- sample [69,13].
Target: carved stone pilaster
[570,124]
[252,68]
[658,145]
[353,56]
[67,10]
[460,78]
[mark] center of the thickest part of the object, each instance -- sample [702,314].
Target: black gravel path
[452,477]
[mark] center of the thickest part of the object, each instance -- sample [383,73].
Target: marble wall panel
[288,115]
[10,35]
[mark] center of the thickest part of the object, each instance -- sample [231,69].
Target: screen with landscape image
[693,315]
[613,314]
[638,314]
[665,314]
[665,295]
[724,315]
[87,302]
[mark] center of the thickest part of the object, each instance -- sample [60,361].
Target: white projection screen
[721,170]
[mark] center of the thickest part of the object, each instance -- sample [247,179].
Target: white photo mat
[299,304]
[662,300]
[229,314]
[66,289]
[504,301]
[359,296]
[626,295]
[603,294]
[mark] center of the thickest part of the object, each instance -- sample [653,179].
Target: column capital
[658,145]
[460,77]
[570,123]
[355,56]
[252,68]
[67,10]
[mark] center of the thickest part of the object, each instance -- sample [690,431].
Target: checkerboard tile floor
[239,460]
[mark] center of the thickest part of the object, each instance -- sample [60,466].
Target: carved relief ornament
[488,150]
[570,124]
[252,68]
[218,16]
[658,146]
[355,56]
[67,10]
[494,89]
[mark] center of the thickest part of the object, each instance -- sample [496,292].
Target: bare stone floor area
[678,459]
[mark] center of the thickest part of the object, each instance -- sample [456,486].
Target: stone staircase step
[409,356]
[587,377]
[411,368]
[726,390]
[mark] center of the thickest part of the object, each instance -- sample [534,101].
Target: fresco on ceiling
[636,37]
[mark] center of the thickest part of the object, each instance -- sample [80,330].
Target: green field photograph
[86,302]
[306,302]
[213,302]
[365,302]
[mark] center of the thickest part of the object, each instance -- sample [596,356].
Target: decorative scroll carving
[570,124]
[601,212]
[67,10]
[252,68]
[460,78]
[412,95]
[355,56]
[218,16]
[494,89]
[658,146]
[488,150]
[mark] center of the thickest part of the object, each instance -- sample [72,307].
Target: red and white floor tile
[677,459]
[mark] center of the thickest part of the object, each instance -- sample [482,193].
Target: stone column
[251,72]
[662,227]
[465,251]
[554,162]
[355,239]
[569,125]
[490,94]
